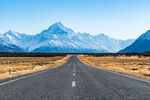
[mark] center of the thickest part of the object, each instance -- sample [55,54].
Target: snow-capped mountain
[58,38]
[6,47]
[141,44]
[19,39]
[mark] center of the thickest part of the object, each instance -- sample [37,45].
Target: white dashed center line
[73,83]
[74,68]
[74,74]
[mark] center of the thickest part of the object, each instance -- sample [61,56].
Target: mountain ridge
[141,44]
[59,38]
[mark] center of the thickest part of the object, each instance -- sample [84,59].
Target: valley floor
[134,65]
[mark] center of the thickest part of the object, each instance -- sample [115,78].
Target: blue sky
[120,19]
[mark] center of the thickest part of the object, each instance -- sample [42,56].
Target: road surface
[75,81]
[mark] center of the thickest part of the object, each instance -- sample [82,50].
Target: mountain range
[141,44]
[60,39]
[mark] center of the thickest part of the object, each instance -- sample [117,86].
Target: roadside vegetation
[11,67]
[135,65]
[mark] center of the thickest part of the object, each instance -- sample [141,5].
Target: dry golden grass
[25,65]
[135,66]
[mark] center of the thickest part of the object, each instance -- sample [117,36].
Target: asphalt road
[75,81]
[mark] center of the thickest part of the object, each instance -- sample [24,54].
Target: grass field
[25,65]
[134,65]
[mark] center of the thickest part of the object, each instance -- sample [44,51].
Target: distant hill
[141,44]
[60,39]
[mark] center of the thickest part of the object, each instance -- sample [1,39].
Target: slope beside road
[75,81]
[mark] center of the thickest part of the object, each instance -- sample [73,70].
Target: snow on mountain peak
[11,33]
[59,28]
[102,35]
[59,24]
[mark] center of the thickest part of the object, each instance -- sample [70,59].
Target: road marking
[19,78]
[74,74]
[74,67]
[73,83]
[32,74]
[121,74]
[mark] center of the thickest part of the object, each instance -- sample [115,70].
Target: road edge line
[31,74]
[117,73]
